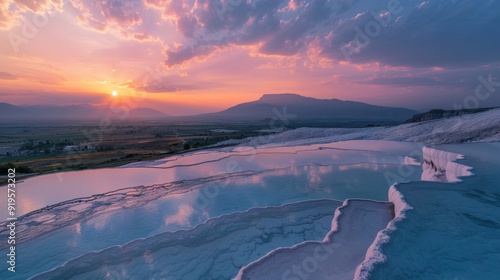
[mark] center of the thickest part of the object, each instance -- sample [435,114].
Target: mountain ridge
[444,114]
[269,106]
[72,112]
[301,107]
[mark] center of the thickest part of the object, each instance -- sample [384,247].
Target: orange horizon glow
[62,53]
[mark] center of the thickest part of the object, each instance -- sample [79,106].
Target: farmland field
[60,146]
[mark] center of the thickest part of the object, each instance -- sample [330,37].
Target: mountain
[444,114]
[294,107]
[9,112]
[146,113]
[304,108]
[7,109]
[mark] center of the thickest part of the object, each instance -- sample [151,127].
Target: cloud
[38,6]
[434,34]
[7,17]
[407,33]
[168,7]
[213,26]
[198,52]
[11,11]
[302,37]
[177,11]
[292,35]
[457,79]
[121,12]
[46,97]
[121,17]
[181,217]
[161,88]
[102,14]
[398,33]
[162,84]
[7,76]
[400,81]
[156,82]
[143,37]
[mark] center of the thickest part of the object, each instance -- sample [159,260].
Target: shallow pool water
[40,191]
[238,181]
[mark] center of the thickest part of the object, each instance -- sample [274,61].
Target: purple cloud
[397,33]
[7,76]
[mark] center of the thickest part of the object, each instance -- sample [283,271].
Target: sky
[195,56]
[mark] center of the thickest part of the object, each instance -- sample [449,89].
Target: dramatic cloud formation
[11,11]
[103,14]
[430,34]
[378,51]
[398,33]
[7,18]
[271,26]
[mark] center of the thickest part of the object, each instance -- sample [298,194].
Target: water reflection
[40,191]
[134,218]
[182,217]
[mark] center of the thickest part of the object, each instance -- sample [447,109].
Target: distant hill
[7,109]
[303,108]
[146,113]
[300,109]
[73,112]
[441,114]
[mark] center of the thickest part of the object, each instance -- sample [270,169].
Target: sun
[114,93]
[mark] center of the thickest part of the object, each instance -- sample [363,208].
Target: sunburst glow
[114,93]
